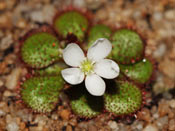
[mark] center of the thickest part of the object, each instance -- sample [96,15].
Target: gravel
[153,19]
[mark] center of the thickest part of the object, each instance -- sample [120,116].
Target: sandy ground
[154,19]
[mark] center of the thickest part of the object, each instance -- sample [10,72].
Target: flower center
[87,66]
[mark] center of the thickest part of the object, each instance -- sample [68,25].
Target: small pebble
[1,83]
[150,127]
[68,128]
[41,119]
[156,116]
[153,110]
[139,126]
[12,126]
[113,125]
[92,127]
[73,122]
[54,116]
[37,16]
[5,21]
[160,51]
[122,127]
[13,78]
[167,67]
[22,126]
[79,3]
[83,125]
[172,53]
[94,4]
[65,114]
[2,5]
[2,113]
[161,122]
[7,93]
[48,13]
[144,114]
[6,42]
[24,115]
[167,95]
[157,16]
[21,24]
[172,125]
[170,14]
[163,108]
[172,103]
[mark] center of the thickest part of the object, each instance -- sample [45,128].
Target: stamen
[87,66]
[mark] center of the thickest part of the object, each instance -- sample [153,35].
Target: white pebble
[150,128]
[156,115]
[37,16]
[12,127]
[160,51]
[2,113]
[12,79]
[113,125]
[6,42]
[157,16]
[162,121]
[1,83]
[48,13]
[172,103]
[170,14]
[7,93]
[79,3]
[139,127]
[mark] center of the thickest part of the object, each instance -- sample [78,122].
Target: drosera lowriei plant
[105,69]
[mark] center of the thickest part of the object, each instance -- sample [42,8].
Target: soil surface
[154,19]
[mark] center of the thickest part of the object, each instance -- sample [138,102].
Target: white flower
[90,68]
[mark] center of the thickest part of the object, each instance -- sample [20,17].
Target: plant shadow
[112,87]
[76,92]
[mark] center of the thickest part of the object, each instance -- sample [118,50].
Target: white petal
[73,55]
[106,68]
[95,85]
[100,49]
[73,76]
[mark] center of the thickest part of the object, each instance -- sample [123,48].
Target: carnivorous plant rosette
[41,51]
[91,67]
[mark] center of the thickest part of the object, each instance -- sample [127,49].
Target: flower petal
[95,85]
[107,69]
[100,49]
[73,55]
[73,76]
